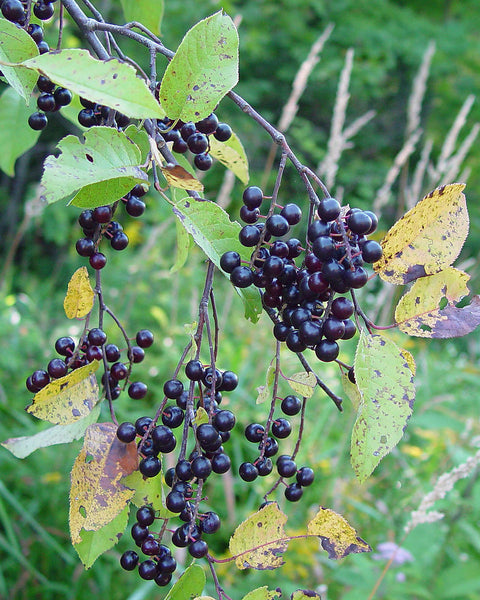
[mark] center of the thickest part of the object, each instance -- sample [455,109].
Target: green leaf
[95,543]
[305,595]
[183,245]
[232,155]
[260,541]
[351,391]
[59,434]
[303,383]
[189,585]
[107,82]
[146,12]
[16,136]
[69,398]
[203,70]
[140,138]
[429,308]
[212,230]
[337,536]
[15,47]
[386,386]
[262,593]
[148,490]
[97,170]
[265,391]
[427,239]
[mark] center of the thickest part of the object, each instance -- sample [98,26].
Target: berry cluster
[301,297]
[98,223]
[195,137]
[98,114]
[266,437]
[50,100]
[93,346]
[187,478]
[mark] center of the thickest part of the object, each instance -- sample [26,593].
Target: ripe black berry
[220,463]
[224,420]
[356,278]
[194,370]
[293,492]
[163,439]
[145,515]
[37,120]
[147,569]
[175,501]
[291,405]
[229,260]
[150,466]
[371,251]
[328,209]
[281,428]
[241,277]
[209,522]
[292,213]
[327,351]
[129,560]
[198,549]
[139,533]
[144,338]
[223,132]
[207,125]
[252,197]
[97,261]
[248,471]
[277,225]
[85,247]
[136,354]
[57,368]
[197,143]
[254,432]
[264,466]
[173,388]
[135,207]
[119,241]
[65,346]
[43,10]
[203,161]
[305,476]
[286,467]
[62,96]
[142,424]
[359,222]
[40,379]
[183,470]
[13,10]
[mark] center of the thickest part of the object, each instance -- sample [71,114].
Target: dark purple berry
[293,492]
[223,132]
[97,261]
[37,121]
[150,466]
[305,476]
[328,209]
[248,471]
[129,560]
[144,338]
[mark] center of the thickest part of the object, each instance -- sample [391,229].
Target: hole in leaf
[465,301]
[443,303]
[89,158]
[88,458]
[83,511]
[424,327]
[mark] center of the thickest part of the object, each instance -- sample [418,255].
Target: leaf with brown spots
[429,309]
[108,82]
[79,299]
[305,595]
[385,382]
[97,495]
[337,536]
[262,593]
[232,155]
[69,398]
[178,177]
[203,70]
[96,169]
[427,239]
[260,541]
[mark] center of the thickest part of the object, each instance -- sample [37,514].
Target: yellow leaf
[409,360]
[262,593]
[97,495]
[179,177]
[69,398]
[232,155]
[429,308]
[303,383]
[260,540]
[337,536]
[79,299]
[351,390]
[201,416]
[427,239]
[304,595]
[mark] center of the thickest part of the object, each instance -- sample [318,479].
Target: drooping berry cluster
[300,283]
[187,477]
[97,114]
[98,223]
[195,137]
[267,439]
[93,346]
[50,100]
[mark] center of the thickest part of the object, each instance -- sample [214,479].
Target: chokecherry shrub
[302,261]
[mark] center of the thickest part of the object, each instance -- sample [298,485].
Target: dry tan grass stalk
[415,192]
[442,486]
[355,127]
[223,197]
[400,160]
[418,91]
[300,82]
[451,137]
[329,166]
[455,162]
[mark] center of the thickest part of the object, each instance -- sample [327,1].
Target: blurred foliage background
[389,40]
